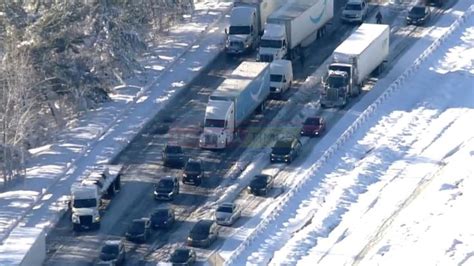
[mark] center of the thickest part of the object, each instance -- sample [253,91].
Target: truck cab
[281,77]
[335,89]
[355,11]
[274,43]
[218,124]
[85,203]
[242,33]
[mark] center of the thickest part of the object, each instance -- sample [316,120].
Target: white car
[227,213]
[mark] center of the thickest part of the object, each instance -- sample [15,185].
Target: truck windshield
[355,7]
[336,81]
[276,78]
[214,123]
[84,203]
[270,43]
[239,30]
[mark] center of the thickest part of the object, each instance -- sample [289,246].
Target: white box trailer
[293,26]
[233,102]
[353,61]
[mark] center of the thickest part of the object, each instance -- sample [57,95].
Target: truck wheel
[97,226]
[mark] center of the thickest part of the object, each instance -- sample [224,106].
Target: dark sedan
[285,150]
[183,256]
[163,217]
[260,185]
[173,155]
[139,230]
[203,234]
[418,15]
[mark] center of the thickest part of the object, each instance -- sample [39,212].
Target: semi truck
[247,19]
[233,102]
[292,27]
[354,60]
[87,195]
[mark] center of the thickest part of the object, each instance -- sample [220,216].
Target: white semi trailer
[353,61]
[247,19]
[292,27]
[233,102]
[87,195]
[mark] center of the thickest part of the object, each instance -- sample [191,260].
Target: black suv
[172,155]
[260,184]
[418,15]
[139,230]
[167,188]
[203,234]
[112,253]
[183,256]
[193,172]
[285,150]
[163,217]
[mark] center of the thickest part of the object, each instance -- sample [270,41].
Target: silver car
[227,213]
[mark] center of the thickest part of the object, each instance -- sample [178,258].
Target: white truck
[353,61]
[247,19]
[281,77]
[292,27]
[233,102]
[87,195]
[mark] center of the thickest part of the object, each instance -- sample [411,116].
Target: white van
[281,77]
[355,11]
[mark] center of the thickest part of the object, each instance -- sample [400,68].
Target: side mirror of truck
[225,31]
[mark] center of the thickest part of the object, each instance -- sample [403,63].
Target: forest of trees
[62,57]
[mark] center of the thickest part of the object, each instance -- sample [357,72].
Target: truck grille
[85,219]
[211,139]
[332,94]
[236,45]
[266,58]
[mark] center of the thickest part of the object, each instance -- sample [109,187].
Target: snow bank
[282,203]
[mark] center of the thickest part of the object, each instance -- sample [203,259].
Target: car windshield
[224,209]
[276,78]
[165,183]
[161,213]
[173,149]
[239,30]
[137,227]
[180,255]
[110,249]
[259,181]
[214,123]
[84,203]
[193,167]
[311,121]
[335,81]
[417,11]
[355,7]
[270,43]
[199,231]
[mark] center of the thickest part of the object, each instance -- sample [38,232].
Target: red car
[313,126]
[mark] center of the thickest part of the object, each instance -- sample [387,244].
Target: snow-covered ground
[414,137]
[397,191]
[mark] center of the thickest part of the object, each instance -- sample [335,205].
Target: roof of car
[204,223]
[284,142]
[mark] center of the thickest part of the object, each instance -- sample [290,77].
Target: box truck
[281,77]
[363,52]
[233,102]
[292,27]
[247,19]
[87,195]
